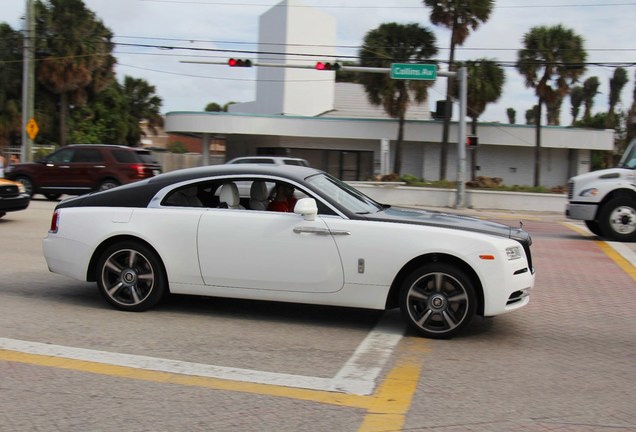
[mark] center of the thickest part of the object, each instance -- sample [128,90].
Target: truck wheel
[618,219]
[594,228]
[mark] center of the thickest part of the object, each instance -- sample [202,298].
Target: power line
[535,6]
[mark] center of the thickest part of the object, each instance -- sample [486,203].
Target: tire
[438,300]
[27,183]
[107,184]
[618,219]
[52,196]
[130,276]
[594,227]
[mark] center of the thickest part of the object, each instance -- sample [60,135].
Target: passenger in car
[284,200]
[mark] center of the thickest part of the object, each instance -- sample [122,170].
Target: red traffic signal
[471,141]
[239,63]
[328,66]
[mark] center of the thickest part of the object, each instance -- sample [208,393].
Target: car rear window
[295,162]
[146,156]
[126,156]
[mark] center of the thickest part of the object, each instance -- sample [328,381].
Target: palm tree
[617,83]
[485,84]
[576,98]
[552,59]
[143,104]
[554,111]
[590,90]
[10,85]
[75,53]
[630,124]
[460,17]
[512,115]
[396,43]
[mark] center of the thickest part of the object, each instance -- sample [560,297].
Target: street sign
[410,71]
[32,128]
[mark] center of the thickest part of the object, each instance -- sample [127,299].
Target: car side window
[87,156]
[184,197]
[62,156]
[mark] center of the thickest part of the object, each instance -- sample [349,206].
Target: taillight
[139,169]
[55,221]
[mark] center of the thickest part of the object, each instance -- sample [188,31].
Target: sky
[607,27]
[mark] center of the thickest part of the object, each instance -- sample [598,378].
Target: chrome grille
[570,189]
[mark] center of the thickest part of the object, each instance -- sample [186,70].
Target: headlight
[21,188]
[589,192]
[513,253]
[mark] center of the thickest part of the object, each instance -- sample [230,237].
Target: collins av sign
[409,71]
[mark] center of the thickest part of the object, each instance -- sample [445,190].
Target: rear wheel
[108,184]
[618,219]
[131,277]
[438,300]
[52,196]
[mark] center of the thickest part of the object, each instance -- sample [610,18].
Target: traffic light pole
[462,77]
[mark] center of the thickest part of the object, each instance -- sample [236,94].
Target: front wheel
[27,183]
[130,276]
[594,227]
[438,300]
[618,219]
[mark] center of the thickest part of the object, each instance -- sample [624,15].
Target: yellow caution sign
[32,128]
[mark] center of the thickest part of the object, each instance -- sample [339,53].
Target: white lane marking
[624,251]
[358,376]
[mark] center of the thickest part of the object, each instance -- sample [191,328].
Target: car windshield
[345,195]
[629,157]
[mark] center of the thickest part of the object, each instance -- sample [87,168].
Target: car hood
[448,220]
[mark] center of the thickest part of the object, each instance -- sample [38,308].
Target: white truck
[606,199]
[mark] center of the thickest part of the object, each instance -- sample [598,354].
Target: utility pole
[28,78]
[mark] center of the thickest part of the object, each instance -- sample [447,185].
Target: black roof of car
[140,193]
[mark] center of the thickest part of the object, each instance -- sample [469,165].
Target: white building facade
[305,113]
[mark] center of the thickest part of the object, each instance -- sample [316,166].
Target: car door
[56,169]
[268,251]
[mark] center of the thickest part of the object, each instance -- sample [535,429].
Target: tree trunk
[397,163]
[443,160]
[537,147]
[473,156]
[63,114]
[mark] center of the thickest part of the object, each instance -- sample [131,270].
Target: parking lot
[564,363]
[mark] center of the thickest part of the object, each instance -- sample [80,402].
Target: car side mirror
[307,208]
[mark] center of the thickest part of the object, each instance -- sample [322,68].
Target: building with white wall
[305,113]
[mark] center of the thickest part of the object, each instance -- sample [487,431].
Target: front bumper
[19,202]
[581,211]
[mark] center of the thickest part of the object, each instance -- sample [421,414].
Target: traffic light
[328,66]
[239,62]
[471,141]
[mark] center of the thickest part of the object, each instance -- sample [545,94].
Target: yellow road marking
[625,265]
[386,408]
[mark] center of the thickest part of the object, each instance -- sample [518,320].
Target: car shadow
[268,311]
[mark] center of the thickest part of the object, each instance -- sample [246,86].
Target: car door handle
[319,231]
[311,230]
